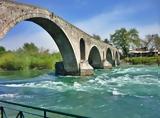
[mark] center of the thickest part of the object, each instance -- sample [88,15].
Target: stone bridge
[81,53]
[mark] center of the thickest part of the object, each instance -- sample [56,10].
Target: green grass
[25,61]
[143,60]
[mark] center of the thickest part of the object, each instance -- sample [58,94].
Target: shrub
[26,61]
[143,60]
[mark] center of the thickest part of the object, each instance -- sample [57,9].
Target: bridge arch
[82,49]
[116,59]
[109,56]
[66,36]
[94,58]
[56,32]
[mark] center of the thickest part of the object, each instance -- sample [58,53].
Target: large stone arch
[94,58]
[70,65]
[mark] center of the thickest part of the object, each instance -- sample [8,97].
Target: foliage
[97,37]
[123,39]
[157,42]
[152,42]
[28,48]
[143,60]
[28,57]
[120,40]
[2,49]
[134,37]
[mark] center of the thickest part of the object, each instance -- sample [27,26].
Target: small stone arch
[116,58]
[82,49]
[94,58]
[109,56]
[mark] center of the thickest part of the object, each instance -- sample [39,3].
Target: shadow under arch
[58,35]
[82,49]
[94,58]
[109,56]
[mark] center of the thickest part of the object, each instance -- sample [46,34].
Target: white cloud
[106,23]
[149,29]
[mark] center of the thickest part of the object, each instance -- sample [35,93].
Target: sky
[101,17]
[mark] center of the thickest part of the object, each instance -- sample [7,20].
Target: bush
[28,57]
[9,61]
[143,60]
[26,61]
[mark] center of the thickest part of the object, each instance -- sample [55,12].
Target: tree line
[28,57]
[126,39]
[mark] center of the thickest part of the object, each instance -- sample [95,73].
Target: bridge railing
[15,110]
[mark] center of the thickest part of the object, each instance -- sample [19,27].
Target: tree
[96,37]
[124,39]
[121,40]
[152,41]
[2,49]
[149,42]
[30,47]
[134,38]
[157,42]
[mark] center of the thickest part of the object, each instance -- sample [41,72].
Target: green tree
[148,42]
[30,48]
[96,37]
[134,37]
[121,40]
[2,49]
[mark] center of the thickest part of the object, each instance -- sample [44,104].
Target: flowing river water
[122,92]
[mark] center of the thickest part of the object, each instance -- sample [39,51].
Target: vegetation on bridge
[27,58]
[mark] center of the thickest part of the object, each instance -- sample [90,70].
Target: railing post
[20,115]
[2,110]
[45,114]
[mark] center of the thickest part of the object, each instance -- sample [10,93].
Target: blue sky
[100,17]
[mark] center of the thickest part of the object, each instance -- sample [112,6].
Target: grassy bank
[11,61]
[143,60]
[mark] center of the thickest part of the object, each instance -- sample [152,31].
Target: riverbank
[14,61]
[143,60]
[22,75]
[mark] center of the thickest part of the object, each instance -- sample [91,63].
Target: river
[122,92]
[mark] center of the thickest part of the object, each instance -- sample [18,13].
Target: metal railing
[21,111]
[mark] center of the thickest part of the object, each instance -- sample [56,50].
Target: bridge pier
[106,65]
[60,70]
[85,69]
